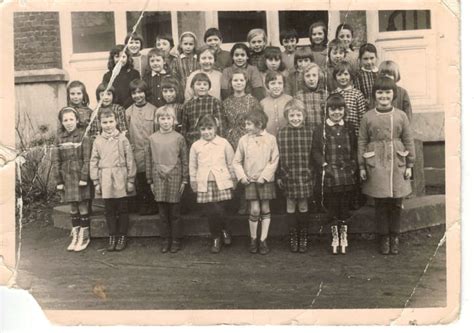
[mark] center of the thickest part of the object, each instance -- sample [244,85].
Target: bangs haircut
[206,120]
[106,113]
[367,48]
[241,46]
[172,83]
[294,105]
[138,84]
[167,37]
[246,77]
[325,30]
[135,36]
[206,48]
[78,84]
[166,110]
[103,87]
[200,77]
[273,52]
[390,67]
[256,32]
[335,101]
[116,51]
[272,76]
[303,53]
[384,83]
[212,32]
[342,66]
[258,118]
[289,34]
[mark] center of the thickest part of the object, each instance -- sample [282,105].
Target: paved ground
[143,278]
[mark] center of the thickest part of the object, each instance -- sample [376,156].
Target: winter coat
[70,159]
[386,149]
[112,165]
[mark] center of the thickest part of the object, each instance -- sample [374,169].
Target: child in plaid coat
[70,159]
[335,154]
[166,160]
[295,175]
[212,177]
[255,163]
[368,72]
[201,104]
[113,170]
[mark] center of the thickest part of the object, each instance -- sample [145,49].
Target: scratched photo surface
[348,217]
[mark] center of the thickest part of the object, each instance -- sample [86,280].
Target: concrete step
[418,213]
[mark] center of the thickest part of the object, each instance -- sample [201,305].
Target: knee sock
[85,221]
[266,218]
[75,220]
[253,226]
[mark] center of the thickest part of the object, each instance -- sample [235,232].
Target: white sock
[265,226]
[253,225]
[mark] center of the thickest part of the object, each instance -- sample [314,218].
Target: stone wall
[37,40]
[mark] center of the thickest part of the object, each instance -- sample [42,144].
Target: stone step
[418,213]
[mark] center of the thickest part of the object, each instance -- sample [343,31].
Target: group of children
[319,121]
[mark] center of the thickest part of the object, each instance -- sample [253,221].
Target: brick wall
[37,40]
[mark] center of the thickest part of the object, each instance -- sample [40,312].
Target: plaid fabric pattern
[356,106]
[182,66]
[154,88]
[235,108]
[166,188]
[295,165]
[255,191]
[364,82]
[340,156]
[121,121]
[196,108]
[315,104]
[258,60]
[71,165]
[213,194]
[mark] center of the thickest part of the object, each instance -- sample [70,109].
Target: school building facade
[54,47]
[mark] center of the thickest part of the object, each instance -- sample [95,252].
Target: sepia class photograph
[219,158]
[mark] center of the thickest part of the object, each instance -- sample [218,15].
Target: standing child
[313,95]
[200,105]
[186,62]
[212,177]
[257,40]
[71,162]
[213,38]
[78,98]
[237,106]
[337,53]
[166,160]
[113,172]
[240,54]
[355,102]
[274,104]
[107,97]
[126,75]
[273,62]
[141,120]
[289,40]
[165,43]
[368,72]
[255,163]
[155,75]
[345,33]
[335,154]
[206,58]
[318,35]
[172,95]
[135,44]
[295,172]
[386,155]
[402,101]
[303,57]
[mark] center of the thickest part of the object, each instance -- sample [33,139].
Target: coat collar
[375,70]
[331,123]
